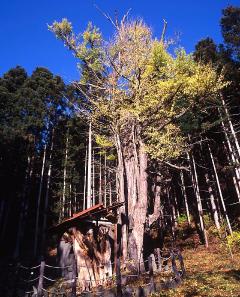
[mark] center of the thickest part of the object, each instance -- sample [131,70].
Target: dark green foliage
[230,25]
[206,51]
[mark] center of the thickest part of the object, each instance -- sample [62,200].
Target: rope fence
[173,263]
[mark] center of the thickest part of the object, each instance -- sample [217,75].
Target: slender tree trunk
[175,204]
[236,177]
[234,159]
[22,208]
[199,202]
[93,180]
[89,168]
[75,200]
[231,126]
[85,180]
[64,178]
[212,201]
[38,203]
[110,189]
[185,198]
[172,211]
[46,202]
[220,191]
[70,200]
[100,178]
[105,179]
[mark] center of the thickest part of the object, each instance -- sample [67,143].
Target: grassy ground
[210,272]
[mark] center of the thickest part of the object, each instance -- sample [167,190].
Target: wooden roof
[95,212]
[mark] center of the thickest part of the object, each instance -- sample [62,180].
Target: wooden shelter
[90,236]
[94,214]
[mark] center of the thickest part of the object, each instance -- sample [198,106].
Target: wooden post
[118,279]
[40,281]
[150,267]
[174,267]
[74,278]
[180,257]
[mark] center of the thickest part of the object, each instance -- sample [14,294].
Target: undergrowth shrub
[182,219]
[234,240]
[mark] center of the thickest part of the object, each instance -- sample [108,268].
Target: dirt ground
[210,272]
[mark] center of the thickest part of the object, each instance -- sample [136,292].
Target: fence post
[180,257]
[40,281]
[174,267]
[118,278]
[150,267]
[74,278]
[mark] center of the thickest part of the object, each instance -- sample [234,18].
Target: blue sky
[26,41]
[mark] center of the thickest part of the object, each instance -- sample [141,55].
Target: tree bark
[89,167]
[64,179]
[234,159]
[93,178]
[123,212]
[185,198]
[212,201]
[38,203]
[137,198]
[220,191]
[22,208]
[46,202]
[100,178]
[105,180]
[199,202]
[231,126]
[85,181]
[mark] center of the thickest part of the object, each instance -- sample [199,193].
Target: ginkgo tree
[137,95]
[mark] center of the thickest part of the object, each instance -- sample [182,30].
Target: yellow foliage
[138,84]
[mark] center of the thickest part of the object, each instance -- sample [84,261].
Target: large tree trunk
[139,215]
[136,178]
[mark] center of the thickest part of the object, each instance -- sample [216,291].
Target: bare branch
[125,16]
[164,30]
[176,166]
[107,16]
